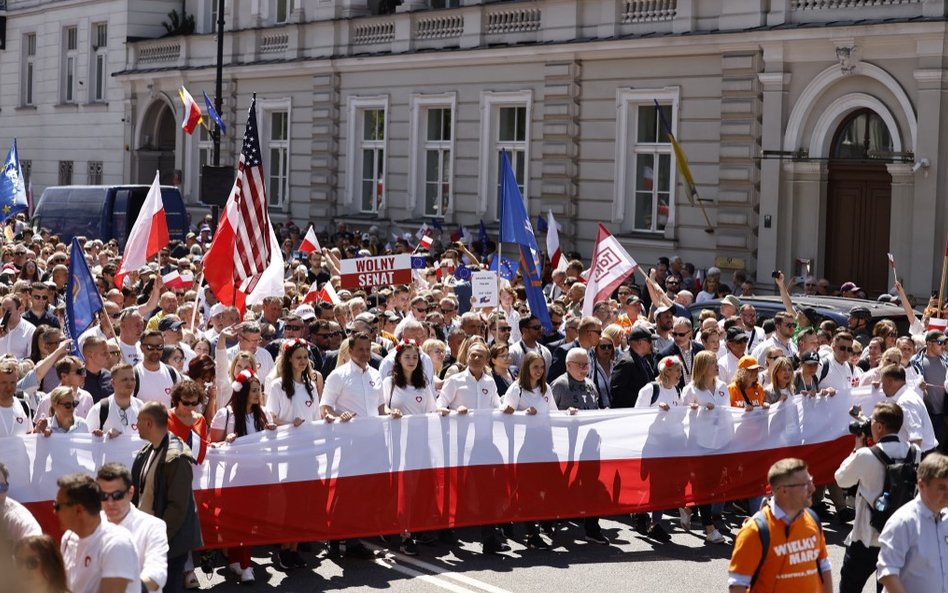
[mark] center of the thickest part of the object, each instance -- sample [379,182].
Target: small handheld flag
[213,113]
[310,242]
[462,273]
[12,186]
[426,242]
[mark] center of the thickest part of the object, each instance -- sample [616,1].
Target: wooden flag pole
[707,219]
[941,285]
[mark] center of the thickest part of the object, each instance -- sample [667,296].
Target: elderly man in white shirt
[149,533]
[913,545]
[864,469]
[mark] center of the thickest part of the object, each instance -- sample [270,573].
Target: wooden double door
[856,227]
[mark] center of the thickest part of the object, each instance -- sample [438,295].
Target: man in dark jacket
[162,474]
[633,371]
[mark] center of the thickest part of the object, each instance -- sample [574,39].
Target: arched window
[862,135]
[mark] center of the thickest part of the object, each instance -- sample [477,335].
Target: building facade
[813,127]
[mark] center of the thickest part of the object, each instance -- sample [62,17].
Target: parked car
[104,212]
[833,308]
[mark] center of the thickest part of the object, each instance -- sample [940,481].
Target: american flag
[252,249]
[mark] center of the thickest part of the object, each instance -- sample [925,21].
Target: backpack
[21,395]
[763,529]
[104,409]
[138,381]
[824,369]
[899,487]
[656,389]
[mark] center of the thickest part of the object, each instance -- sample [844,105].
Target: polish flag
[310,242]
[557,261]
[175,279]
[891,260]
[192,113]
[326,294]
[148,235]
[611,264]
[426,242]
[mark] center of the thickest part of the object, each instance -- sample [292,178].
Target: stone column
[805,188]
[926,214]
[772,253]
[901,236]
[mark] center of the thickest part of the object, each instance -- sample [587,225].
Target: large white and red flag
[240,251]
[557,261]
[148,235]
[611,264]
[310,242]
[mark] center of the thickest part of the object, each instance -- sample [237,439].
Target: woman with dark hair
[503,375]
[185,421]
[39,565]
[408,392]
[242,416]
[173,356]
[530,393]
[29,272]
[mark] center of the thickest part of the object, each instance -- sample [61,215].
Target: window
[505,127]
[99,61]
[70,58]
[29,59]
[278,168]
[95,173]
[283,10]
[645,166]
[432,149]
[366,155]
[65,172]
[212,6]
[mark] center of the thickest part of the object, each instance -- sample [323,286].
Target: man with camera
[864,469]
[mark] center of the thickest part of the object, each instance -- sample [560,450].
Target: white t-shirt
[351,389]
[132,354]
[150,535]
[155,385]
[16,521]
[520,399]
[840,376]
[122,422]
[410,400]
[14,420]
[385,367]
[108,552]
[224,420]
[718,395]
[18,340]
[284,409]
[665,396]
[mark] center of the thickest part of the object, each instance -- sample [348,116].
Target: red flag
[891,260]
[310,242]
[426,242]
[148,235]
[327,294]
[240,251]
[192,113]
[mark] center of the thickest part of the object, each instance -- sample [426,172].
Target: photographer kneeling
[862,467]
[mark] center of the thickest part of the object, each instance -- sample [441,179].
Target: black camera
[861,426]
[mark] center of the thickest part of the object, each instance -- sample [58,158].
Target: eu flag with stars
[213,113]
[12,186]
[82,298]
[515,227]
[508,267]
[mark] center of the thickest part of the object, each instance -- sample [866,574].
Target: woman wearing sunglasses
[184,419]
[39,566]
[63,420]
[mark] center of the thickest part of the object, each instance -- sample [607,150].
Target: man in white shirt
[735,347]
[784,327]
[248,340]
[16,334]
[16,522]
[837,372]
[755,334]
[99,557]
[864,469]
[14,416]
[917,424]
[155,378]
[120,409]
[72,374]
[913,545]
[131,326]
[149,533]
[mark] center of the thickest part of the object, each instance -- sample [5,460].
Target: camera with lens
[861,425]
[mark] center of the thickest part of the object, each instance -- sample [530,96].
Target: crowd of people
[190,373]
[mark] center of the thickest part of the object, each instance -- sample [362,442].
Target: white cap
[217,309]
[305,312]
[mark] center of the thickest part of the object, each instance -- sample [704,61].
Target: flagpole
[941,285]
[197,299]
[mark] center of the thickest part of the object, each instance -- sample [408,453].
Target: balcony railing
[837,4]
[373,32]
[649,11]
[159,52]
[513,20]
[440,27]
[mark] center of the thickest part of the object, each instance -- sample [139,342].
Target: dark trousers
[859,563]
[175,582]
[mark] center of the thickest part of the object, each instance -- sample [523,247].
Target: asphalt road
[631,563]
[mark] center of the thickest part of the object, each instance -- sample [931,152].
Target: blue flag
[419,262]
[462,272]
[482,238]
[515,227]
[508,267]
[12,186]
[436,223]
[82,298]
[213,113]
[542,226]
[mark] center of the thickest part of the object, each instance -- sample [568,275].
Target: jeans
[175,582]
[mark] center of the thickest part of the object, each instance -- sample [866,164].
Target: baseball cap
[170,323]
[305,312]
[732,300]
[849,287]
[809,358]
[748,362]
[736,334]
[217,309]
[640,333]
[662,309]
[935,336]
[712,271]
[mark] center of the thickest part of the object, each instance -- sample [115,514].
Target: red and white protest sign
[385,270]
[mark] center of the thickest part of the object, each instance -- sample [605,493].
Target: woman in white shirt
[531,394]
[241,417]
[63,420]
[707,391]
[406,391]
[293,399]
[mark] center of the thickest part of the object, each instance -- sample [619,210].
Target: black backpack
[899,487]
[655,392]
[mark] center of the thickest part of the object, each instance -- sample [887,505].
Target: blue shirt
[914,546]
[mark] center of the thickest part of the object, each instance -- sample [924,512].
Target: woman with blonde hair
[224,371]
[780,385]
[343,356]
[63,419]
[436,351]
[663,392]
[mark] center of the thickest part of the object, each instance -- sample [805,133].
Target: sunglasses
[58,506]
[153,347]
[503,329]
[293,328]
[117,495]
[844,348]
[446,311]
[80,371]
[40,297]
[189,404]
[606,347]
[68,405]
[681,334]
[28,563]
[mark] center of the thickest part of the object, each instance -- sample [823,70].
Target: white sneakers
[714,537]
[684,518]
[244,574]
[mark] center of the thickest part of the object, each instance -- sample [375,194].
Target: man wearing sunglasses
[40,312]
[148,533]
[71,374]
[98,556]
[784,327]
